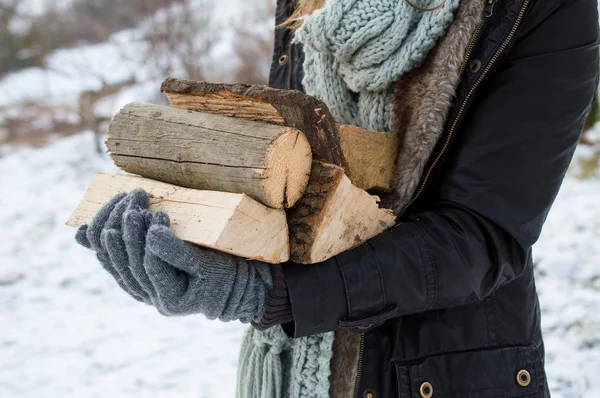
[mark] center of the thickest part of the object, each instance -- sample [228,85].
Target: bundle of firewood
[257,172]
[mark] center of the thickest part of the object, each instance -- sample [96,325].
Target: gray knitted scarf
[354,51]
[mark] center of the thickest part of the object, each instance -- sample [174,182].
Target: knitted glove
[154,266]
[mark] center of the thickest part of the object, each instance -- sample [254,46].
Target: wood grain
[231,223]
[369,157]
[333,216]
[284,107]
[204,151]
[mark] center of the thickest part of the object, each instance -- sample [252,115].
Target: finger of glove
[161,218]
[104,259]
[163,243]
[113,242]
[135,200]
[115,219]
[138,199]
[147,219]
[95,228]
[81,238]
[171,287]
[135,227]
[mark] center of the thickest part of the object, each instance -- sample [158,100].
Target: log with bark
[369,157]
[228,222]
[333,216]
[270,163]
[260,103]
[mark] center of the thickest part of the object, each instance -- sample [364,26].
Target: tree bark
[283,107]
[231,223]
[368,157]
[333,216]
[204,151]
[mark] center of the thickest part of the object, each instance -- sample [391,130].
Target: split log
[333,216]
[231,223]
[211,152]
[369,157]
[281,107]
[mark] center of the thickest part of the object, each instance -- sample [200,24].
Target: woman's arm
[509,160]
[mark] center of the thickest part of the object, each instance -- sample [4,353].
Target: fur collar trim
[423,99]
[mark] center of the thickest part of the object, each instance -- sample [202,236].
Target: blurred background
[66,329]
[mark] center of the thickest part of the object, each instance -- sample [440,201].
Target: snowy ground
[128,57]
[67,330]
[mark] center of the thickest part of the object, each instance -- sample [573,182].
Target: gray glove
[154,266]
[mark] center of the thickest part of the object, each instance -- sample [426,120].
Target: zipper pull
[489,8]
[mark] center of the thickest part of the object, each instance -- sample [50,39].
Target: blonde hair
[306,7]
[303,9]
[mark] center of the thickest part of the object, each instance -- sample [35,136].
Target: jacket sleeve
[508,161]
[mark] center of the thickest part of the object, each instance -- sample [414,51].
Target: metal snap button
[475,66]
[282,59]
[369,394]
[523,378]
[426,390]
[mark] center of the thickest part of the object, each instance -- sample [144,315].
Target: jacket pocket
[490,373]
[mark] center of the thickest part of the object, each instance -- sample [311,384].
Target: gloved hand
[154,266]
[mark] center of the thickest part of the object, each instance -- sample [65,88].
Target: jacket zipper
[290,65]
[474,38]
[361,351]
[489,8]
[464,104]
[470,48]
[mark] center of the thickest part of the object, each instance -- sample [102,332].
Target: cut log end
[369,157]
[287,168]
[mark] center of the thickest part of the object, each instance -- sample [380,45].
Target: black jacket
[448,297]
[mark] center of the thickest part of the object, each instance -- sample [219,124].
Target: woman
[490,98]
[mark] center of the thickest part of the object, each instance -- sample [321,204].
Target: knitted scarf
[273,366]
[354,51]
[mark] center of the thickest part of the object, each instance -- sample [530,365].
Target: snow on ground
[568,282]
[67,330]
[126,55]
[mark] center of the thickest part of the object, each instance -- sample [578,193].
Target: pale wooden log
[231,223]
[333,216]
[283,107]
[369,157]
[211,152]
